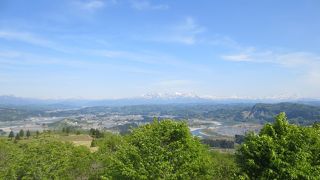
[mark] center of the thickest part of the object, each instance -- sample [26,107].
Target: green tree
[281,151]
[316,125]
[11,135]
[92,132]
[37,134]
[161,150]
[93,143]
[68,129]
[95,133]
[17,137]
[28,134]
[98,134]
[21,133]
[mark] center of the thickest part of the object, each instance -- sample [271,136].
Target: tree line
[20,135]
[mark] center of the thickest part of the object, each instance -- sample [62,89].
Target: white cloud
[189,25]
[142,57]
[15,59]
[92,5]
[237,57]
[146,5]
[31,38]
[148,58]
[145,57]
[187,32]
[308,64]
[287,59]
[25,37]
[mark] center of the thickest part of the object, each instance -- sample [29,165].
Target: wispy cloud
[305,62]
[148,58]
[287,59]
[25,37]
[17,59]
[32,39]
[141,57]
[144,57]
[227,42]
[92,5]
[147,5]
[186,32]
[237,57]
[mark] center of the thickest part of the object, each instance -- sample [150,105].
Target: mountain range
[156,98]
[145,99]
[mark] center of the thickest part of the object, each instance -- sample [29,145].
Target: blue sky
[126,48]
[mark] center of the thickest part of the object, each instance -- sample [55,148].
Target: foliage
[93,143]
[296,113]
[219,143]
[68,129]
[28,133]
[165,150]
[161,150]
[224,165]
[21,133]
[95,133]
[37,134]
[11,135]
[44,159]
[281,151]
[9,159]
[239,138]
[17,136]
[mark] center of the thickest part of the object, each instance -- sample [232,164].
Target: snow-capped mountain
[176,95]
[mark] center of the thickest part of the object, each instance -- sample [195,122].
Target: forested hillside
[296,113]
[163,150]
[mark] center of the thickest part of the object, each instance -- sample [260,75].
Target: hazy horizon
[111,49]
[177,95]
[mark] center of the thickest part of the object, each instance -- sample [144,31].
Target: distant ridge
[156,98]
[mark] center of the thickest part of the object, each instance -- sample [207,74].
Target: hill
[297,113]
